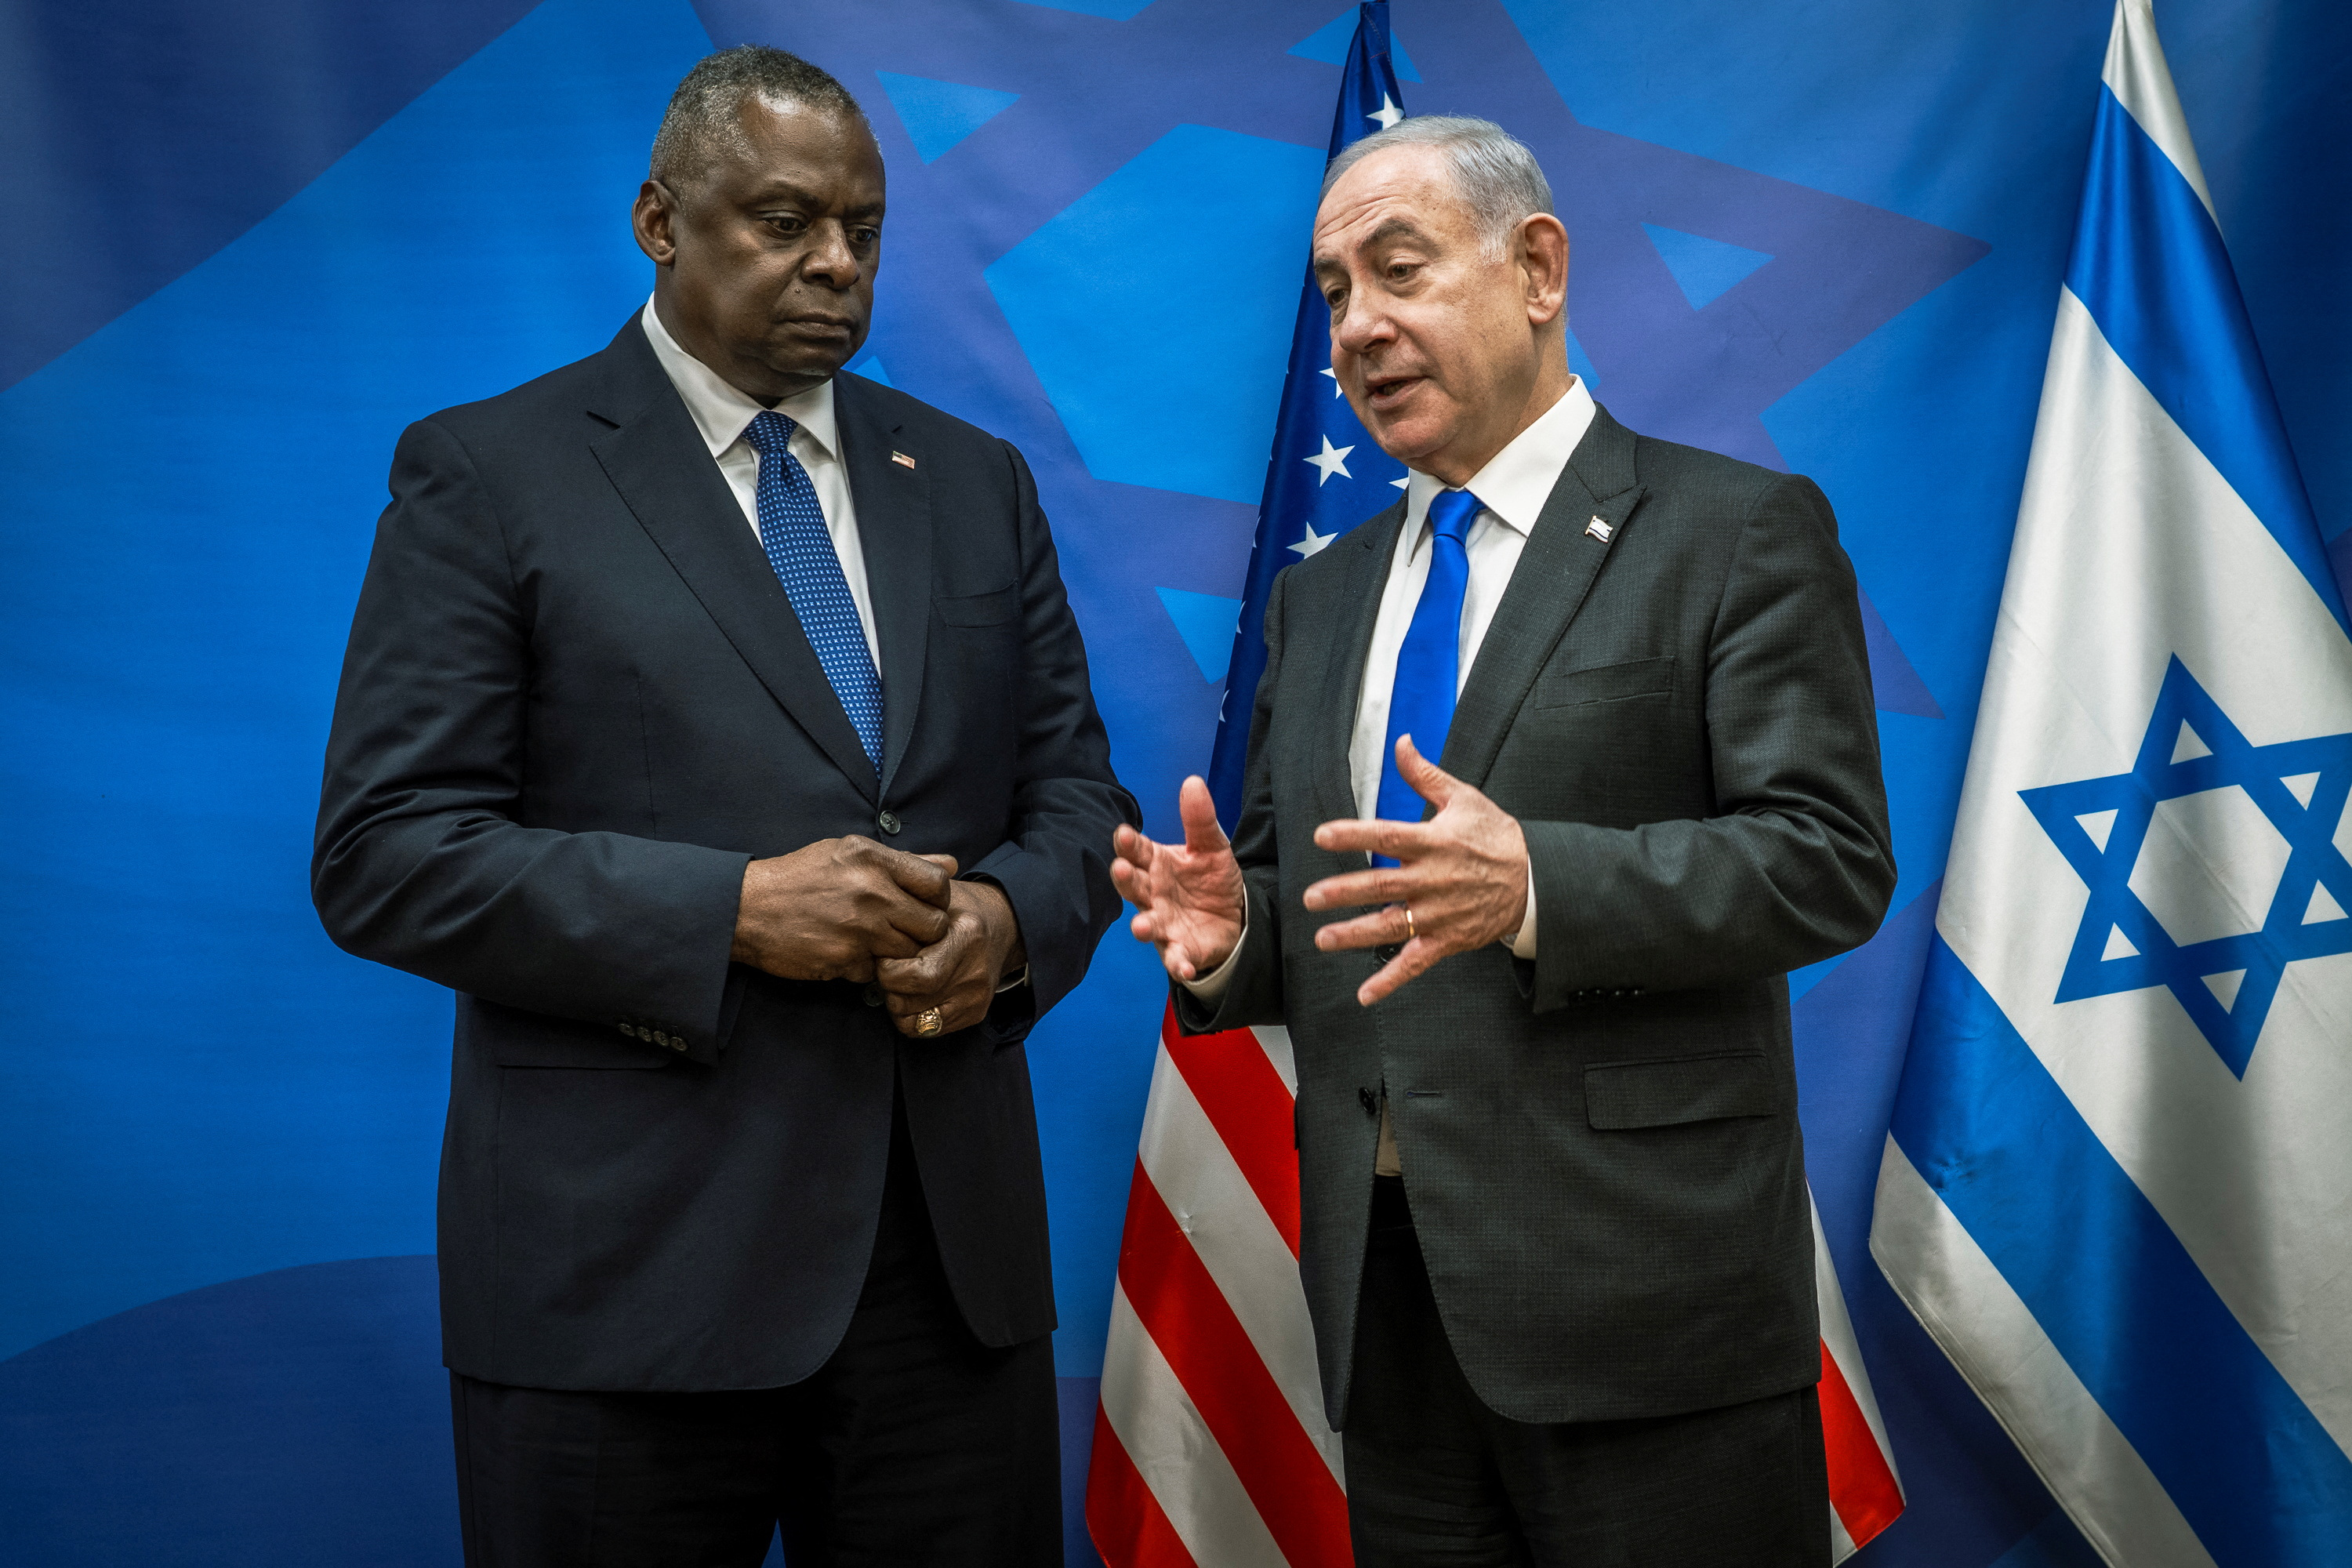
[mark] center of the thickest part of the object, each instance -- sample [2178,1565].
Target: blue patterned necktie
[1429,665]
[793,532]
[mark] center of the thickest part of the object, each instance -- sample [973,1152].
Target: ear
[1541,242]
[651,219]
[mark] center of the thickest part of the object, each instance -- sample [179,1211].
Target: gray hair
[1497,178]
[704,122]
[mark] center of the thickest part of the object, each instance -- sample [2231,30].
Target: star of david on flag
[2115,1187]
[2213,864]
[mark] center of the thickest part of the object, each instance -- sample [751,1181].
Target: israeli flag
[2118,1185]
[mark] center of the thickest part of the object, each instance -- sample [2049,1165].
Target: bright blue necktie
[793,532]
[1429,665]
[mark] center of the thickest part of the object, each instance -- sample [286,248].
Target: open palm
[1187,896]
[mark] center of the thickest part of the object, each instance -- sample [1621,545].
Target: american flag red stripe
[1180,1307]
[1249,1105]
[1116,1493]
[1209,1443]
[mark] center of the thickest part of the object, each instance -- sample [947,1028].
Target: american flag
[1210,1445]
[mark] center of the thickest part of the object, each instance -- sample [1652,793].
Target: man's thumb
[1429,781]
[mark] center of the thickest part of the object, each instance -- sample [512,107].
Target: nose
[1361,324]
[831,260]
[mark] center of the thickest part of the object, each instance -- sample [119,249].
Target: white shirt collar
[721,411]
[1518,480]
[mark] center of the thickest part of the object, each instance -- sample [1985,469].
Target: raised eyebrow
[1392,228]
[1388,230]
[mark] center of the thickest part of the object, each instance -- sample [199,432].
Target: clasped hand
[851,909]
[1463,875]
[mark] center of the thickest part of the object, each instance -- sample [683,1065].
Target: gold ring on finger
[1409,934]
[928,1022]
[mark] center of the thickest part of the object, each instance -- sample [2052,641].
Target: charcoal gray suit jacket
[1601,1146]
[576,703]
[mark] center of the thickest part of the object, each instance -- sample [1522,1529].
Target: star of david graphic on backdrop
[1091,141]
[2246,874]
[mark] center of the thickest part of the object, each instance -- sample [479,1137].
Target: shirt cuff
[1211,987]
[1018,977]
[1524,945]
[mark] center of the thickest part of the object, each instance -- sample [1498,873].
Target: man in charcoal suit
[1555,1237]
[716,725]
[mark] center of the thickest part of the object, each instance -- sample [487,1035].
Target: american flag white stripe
[1148,1412]
[1237,1243]
[1164,1491]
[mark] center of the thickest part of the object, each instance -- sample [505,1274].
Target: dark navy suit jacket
[575,703]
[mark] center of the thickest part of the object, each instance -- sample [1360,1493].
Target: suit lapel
[1555,573]
[894,529]
[656,459]
[1370,544]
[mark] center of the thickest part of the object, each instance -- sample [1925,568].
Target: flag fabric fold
[2117,1184]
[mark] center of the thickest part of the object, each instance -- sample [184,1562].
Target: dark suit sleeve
[1796,864]
[421,861]
[1055,863]
[1253,995]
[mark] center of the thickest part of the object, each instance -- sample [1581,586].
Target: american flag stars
[1330,460]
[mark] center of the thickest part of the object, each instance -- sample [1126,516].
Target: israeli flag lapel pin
[903,460]
[1598,529]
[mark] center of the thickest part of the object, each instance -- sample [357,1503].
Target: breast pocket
[993,608]
[1622,682]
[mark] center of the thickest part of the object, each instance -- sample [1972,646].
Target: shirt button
[887,822]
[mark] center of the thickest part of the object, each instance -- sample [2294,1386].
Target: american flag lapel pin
[903,460]
[1598,529]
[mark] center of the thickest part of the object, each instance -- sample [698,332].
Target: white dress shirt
[1511,489]
[721,413]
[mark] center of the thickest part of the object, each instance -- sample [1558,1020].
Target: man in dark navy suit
[716,725]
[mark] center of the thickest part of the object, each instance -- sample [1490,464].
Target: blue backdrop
[253,238]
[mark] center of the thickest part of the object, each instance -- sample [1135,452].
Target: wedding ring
[1409,931]
[928,1022]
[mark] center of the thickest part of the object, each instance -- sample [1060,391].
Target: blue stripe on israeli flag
[2240,1454]
[2117,1188]
[2149,266]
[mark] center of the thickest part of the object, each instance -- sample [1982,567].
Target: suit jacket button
[675,1043]
[630,1030]
[887,822]
[1368,1100]
[872,995]
[1387,951]
[645,1033]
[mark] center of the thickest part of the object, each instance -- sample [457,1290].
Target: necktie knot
[768,432]
[1451,513]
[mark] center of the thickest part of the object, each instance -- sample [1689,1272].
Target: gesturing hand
[960,973]
[827,911]
[1463,875]
[1187,896]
